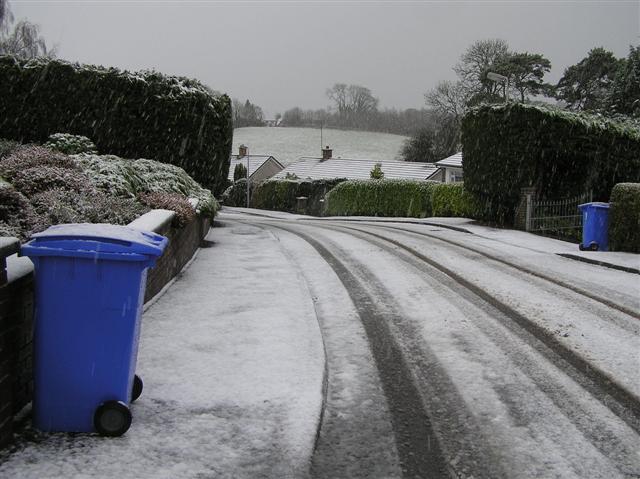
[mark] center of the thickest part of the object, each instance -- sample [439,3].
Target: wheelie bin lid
[594,204]
[96,241]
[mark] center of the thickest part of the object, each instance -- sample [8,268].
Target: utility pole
[248,185]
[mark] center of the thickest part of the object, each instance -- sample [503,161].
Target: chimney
[242,151]
[327,153]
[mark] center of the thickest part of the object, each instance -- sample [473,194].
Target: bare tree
[354,104]
[479,59]
[6,17]
[449,99]
[25,41]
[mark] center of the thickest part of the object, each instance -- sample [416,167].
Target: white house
[449,170]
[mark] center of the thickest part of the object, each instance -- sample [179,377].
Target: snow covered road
[295,347]
[494,360]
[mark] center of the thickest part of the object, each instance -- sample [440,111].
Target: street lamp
[496,77]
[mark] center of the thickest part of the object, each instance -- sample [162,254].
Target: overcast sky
[285,54]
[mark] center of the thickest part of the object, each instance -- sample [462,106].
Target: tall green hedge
[133,115]
[624,223]
[562,154]
[398,198]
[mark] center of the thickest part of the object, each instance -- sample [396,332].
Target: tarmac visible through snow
[364,349]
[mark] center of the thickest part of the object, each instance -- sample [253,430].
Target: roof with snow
[255,163]
[453,161]
[355,169]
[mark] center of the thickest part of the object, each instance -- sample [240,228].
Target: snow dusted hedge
[562,154]
[397,198]
[133,115]
[452,200]
[624,224]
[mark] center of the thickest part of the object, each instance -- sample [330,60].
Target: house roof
[453,161]
[355,169]
[255,163]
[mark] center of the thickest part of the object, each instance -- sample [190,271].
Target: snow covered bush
[400,198]
[42,178]
[22,158]
[70,144]
[129,178]
[171,201]
[111,174]
[17,217]
[133,115]
[563,154]
[624,223]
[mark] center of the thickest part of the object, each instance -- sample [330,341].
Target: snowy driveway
[455,355]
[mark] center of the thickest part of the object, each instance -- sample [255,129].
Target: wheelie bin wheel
[581,247]
[593,246]
[112,418]
[136,389]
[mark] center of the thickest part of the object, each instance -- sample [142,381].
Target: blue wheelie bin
[595,226]
[90,283]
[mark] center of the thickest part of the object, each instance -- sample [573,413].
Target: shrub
[624,226]
[70,144]
[16,213]
[236,194]
[171,201]
[240,171]
[42,178]
[282,195]
[32,156]
[401,198]
[7,147]
[562,154]
[131,177]
[452,200]
[376,173]
[133,115]
[61,206]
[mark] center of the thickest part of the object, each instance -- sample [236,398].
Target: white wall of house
[452,175]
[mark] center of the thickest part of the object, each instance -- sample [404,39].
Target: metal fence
[559,218]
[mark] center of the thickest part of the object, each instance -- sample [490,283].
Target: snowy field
[289,144]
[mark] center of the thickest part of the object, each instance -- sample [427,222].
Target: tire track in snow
[602,386]
[401,364]
[600,433]
[520,268]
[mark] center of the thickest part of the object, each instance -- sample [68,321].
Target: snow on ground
[535,417]
[233,371]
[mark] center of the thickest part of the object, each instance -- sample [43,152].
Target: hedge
[282,195]
[562,154]
[133,115]
[452,200]
[397,198]
[624,223]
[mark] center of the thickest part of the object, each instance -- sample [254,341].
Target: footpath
[233,365]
